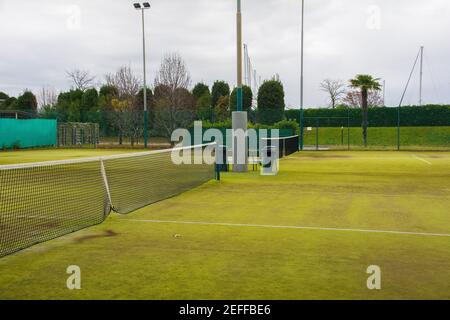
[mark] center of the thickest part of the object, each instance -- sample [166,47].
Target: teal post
[317,134]
[239,98]
[146,129]
[348,128]
[302,130]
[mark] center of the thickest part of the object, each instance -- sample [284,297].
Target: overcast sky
[41,39]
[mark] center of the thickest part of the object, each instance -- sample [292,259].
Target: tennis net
[286,145]
[43,201]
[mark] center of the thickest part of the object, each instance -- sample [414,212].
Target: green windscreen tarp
[27,133]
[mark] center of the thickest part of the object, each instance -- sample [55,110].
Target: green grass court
[308,233]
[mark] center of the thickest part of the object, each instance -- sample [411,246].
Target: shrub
[288,124]
[271,102]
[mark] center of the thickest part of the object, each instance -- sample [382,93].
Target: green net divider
[29,133]
[43,201]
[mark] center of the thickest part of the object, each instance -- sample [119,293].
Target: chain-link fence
[320,135]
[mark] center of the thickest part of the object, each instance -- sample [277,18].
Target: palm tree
[365,83]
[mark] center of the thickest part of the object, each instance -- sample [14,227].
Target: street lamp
[142,7]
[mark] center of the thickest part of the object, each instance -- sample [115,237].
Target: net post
[105,182]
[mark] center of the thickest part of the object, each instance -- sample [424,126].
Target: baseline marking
[423,160]
[289,227]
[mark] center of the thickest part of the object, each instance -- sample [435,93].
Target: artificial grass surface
[128,257]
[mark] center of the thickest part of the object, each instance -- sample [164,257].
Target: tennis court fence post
[317,134]
[348,128]
[217,165]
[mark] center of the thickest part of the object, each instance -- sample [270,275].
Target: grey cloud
[39,42]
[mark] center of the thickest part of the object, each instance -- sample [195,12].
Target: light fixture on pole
[142,7]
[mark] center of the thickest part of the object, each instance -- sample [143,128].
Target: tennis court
[308,233]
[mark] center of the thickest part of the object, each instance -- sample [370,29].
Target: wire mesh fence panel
[327,133]
[323,137]
[78,134]
[425,138]
[41,202]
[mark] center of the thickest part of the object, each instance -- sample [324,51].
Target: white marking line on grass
[290,227]
[421,159]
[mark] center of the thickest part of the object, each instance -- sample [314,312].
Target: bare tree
[81,79]
[335,90]
[128,114]
[125,81]
[174,104]
[47,97]
[173,73]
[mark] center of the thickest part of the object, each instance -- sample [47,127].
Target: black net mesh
[135,182]
[286,145]
[39,202]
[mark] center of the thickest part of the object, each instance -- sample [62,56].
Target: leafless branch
[353,99]
[173,73]
[47,96]
[81,79]
[126,82]
[335,90]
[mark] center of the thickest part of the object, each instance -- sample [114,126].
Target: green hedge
[411,116]
[286,129]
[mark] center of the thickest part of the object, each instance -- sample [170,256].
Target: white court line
[291,227]
[421,159]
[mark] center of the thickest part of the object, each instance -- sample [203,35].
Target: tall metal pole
[239,117]
[250,68]
[239,57]
[301,79]
[255,83]
[401,100]
[421,75]
[145,84]
[245,64]
[384,93]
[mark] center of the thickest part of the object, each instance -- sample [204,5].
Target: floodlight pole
[138,6]
[145,84]
[421,75]
[239,57]
[403,96]
[239,117]
[301,80]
